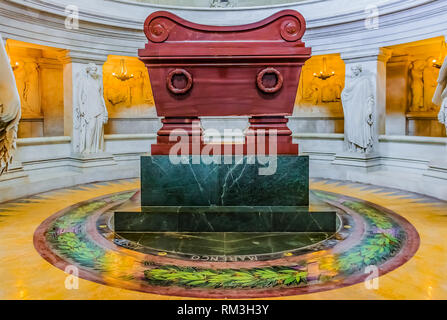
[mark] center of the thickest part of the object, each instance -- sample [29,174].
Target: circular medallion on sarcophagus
[179,81]
[269,80]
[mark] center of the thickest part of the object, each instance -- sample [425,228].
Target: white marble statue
[358,104]
[91,112]
[9,110]
[440,97]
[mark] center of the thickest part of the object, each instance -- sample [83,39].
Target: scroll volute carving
[238,69]
[292,29]
[158,29]
[287,25]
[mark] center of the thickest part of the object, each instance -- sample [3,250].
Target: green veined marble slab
[238,184]
[318,217]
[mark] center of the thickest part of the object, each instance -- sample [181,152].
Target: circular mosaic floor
[257,265]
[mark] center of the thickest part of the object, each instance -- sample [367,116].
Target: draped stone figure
[431,75]
[416,73]
[31,93]
[440,97]
[358,104]
[10,112]
[27,81]
[91,112]
[140,90]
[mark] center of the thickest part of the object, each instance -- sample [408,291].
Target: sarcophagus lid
[247,70]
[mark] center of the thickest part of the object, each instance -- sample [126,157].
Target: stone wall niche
[412,74]
[318,107]
[128,97]
[39,77]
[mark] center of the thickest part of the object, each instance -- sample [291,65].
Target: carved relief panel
[27,75]
[412,74]
[422,76]
[39,77]
[322,81]
[127,90]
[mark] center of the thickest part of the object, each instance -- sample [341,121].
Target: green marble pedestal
[236,194]
[236,181]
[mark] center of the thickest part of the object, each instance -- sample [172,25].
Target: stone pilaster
[373,63]
[73,65]
[445,61]
[438,167]
[397,98]
[15,171]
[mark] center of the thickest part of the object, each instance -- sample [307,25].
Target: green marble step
[201,245]
[131,217]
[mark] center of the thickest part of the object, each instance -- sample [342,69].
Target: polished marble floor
[41,235]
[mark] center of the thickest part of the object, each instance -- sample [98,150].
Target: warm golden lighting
[321,84]
[437,63]
[124,97]
[122,75]
[324,75]
[14,66]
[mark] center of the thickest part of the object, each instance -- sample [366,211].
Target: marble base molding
[368,162]
[92,160]
[49,164]
[407,163]
[15,172]
[437,169]
[31,127]
[141,125]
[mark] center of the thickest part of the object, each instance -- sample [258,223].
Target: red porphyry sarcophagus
[248,70]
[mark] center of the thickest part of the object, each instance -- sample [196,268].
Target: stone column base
[362,162]
[437,169]
[92,160]
[15,171]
